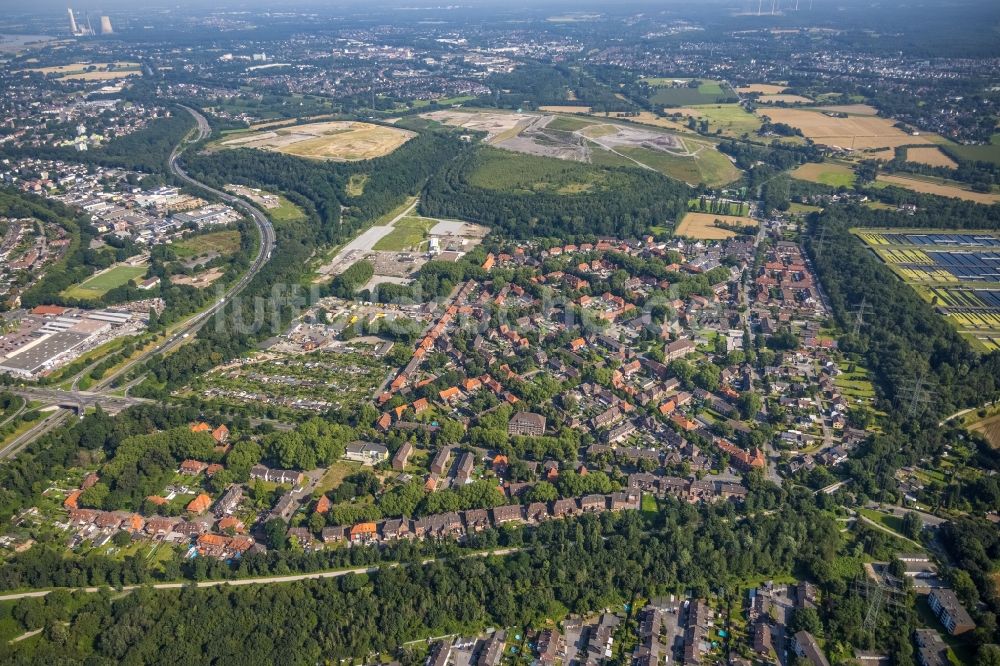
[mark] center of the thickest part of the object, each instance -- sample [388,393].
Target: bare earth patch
[337,140]
[701,226]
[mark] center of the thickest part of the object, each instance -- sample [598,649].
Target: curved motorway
[267,242]
[185,330]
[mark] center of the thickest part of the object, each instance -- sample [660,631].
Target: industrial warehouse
[50,336]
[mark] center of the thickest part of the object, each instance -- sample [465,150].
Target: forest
[577,566]
[650,199]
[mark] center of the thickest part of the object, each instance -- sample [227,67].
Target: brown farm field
[559,108]
[930,156]
[787,99]
[850,109]
[762,88]
[338,140]
[940,189]
[701,226]
[851,133]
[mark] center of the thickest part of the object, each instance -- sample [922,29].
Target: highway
[182,334]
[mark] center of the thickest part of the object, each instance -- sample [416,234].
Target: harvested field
[930,156]
[851,133]
[783,99]
[701,226]
[825,173]
[940,189]
[990,429]
[565,109]
[850,109]
[762,88]
[338,140]
[494,123]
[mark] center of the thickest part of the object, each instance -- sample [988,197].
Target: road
[181,334]
[260,580]
[50,422]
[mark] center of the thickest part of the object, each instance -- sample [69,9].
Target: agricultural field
[336,140]
[407,234]
[732,119]
[701,226]
[762,89]
[825,173]
[565,108]
[931,156]
[670,92]
[94,71]
[784,99]
[314,382]
[956,272]
[855,132]
[986,153]
[941,188]
[101,283]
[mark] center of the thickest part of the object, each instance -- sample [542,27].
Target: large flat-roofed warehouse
[32,359]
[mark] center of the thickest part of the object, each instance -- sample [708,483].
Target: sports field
[825,173]
[337,140]
[103,282]
[701,226]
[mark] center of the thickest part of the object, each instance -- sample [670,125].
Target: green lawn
[406,234]
[826,173]
[100,284]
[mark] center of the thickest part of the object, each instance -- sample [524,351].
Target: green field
[709,92]
[285,211]
[709,166]
[100,284]
[495,169]
[223,242]
[356,184]
[570,124]
[987,153]
[731,208]
[408,233]
[731,119]
[826,173]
